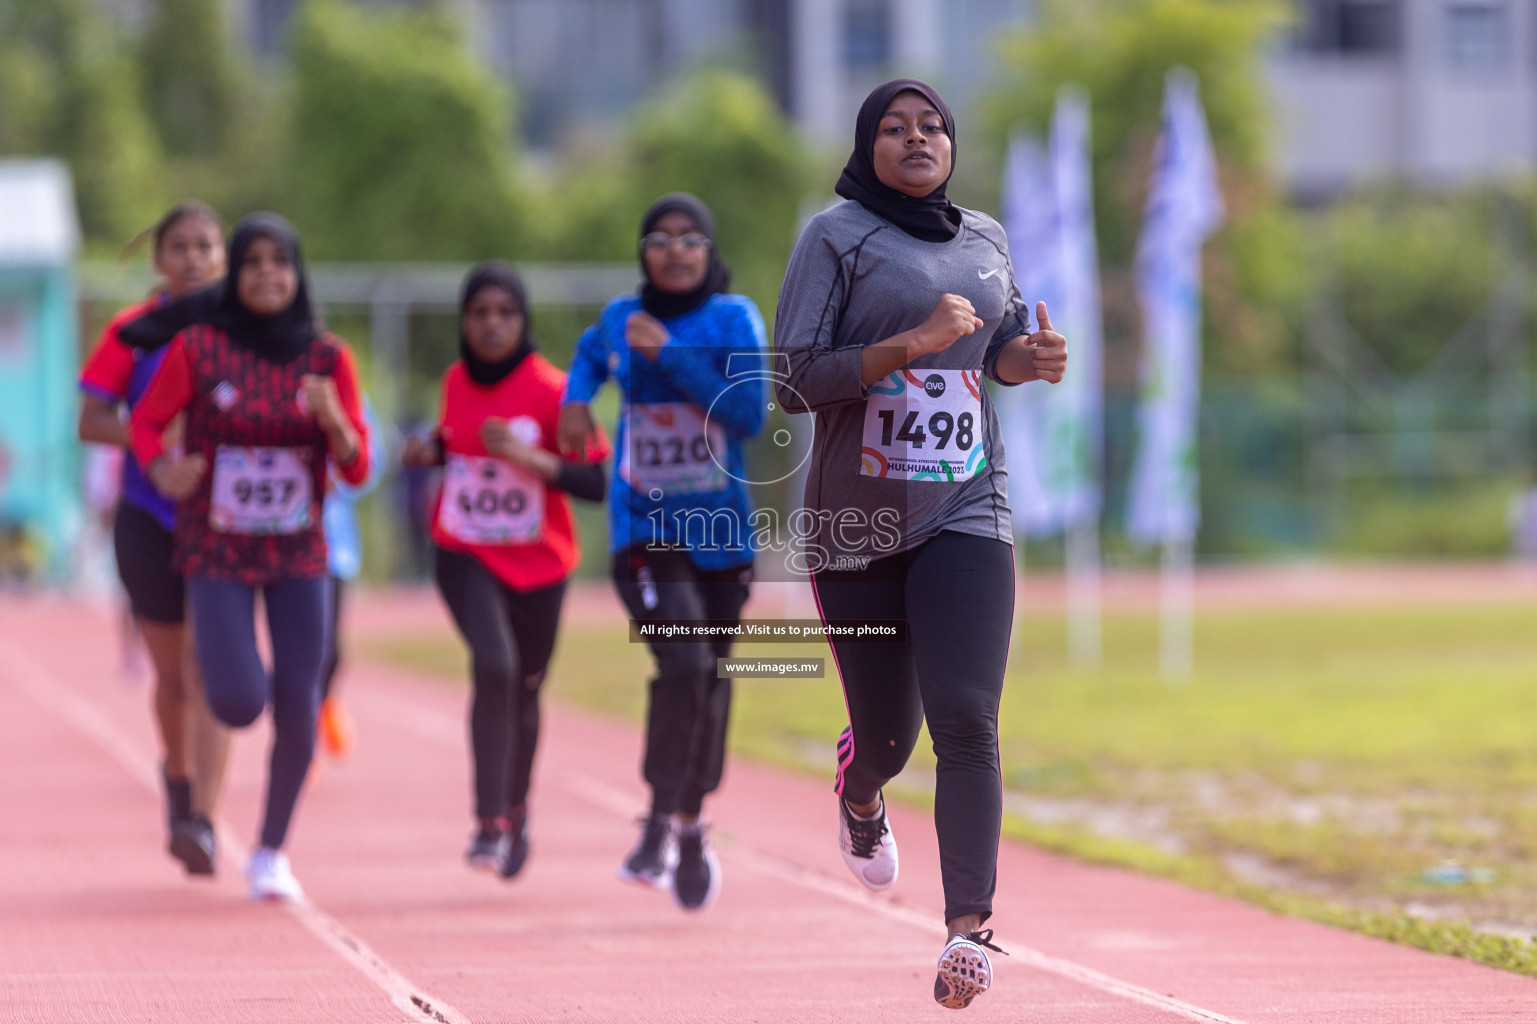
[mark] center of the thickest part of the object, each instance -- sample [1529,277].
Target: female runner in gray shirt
[895,305]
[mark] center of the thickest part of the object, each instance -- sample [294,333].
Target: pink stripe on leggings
[844,758]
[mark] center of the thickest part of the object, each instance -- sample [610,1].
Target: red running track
[99,925]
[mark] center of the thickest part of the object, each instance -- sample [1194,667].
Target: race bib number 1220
[672,447]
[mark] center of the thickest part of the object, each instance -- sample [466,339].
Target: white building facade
[579,65]
[1438,93]
[1434,92]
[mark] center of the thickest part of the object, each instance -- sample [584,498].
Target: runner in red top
[188,254]
[269,397]
[505,539]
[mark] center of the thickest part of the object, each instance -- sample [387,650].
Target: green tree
[400,138]
[190,81]
[1406,270]
[1120,51]
[720,136]
[69,91]
[714,133]
[29,81]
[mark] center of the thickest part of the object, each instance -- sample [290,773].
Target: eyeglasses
[659,241]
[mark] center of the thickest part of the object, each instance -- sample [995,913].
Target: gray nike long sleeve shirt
[920,452]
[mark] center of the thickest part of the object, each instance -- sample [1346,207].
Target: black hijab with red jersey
[494,274]
[280,338]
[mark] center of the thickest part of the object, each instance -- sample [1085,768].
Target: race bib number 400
[924,425]
[672,447]
[261,490]
[488,501]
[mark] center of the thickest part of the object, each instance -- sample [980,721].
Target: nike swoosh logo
[989,274]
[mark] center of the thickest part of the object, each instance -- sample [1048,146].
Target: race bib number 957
[261,490]
[924,425]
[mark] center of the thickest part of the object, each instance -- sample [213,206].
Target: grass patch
[1351,752]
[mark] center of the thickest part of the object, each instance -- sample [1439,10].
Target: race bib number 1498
[924,425]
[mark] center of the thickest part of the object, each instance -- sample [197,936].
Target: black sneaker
[696,879]
[488,847]
[652,861]
[193,843]
[517,848]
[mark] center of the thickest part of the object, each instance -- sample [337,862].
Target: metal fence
[1300,464]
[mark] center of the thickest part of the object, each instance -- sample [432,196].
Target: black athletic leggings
[689,708]
[239,687]
[511,635]
[956,592]
[336,587]
[156,591]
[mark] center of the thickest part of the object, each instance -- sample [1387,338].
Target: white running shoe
[964,970]
[868,847]
[269,876]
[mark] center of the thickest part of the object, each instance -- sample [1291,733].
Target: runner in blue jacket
[687,356]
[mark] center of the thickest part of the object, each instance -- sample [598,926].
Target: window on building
[1476,36]
[1357,27]
[769,24]
[866,33]
[269,24]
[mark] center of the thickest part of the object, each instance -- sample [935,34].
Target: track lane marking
[430,724]
[610,798]
[52,694]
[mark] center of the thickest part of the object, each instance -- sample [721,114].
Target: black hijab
[931,218]
[277,339]
[287,335]
[494,274]
[717,276]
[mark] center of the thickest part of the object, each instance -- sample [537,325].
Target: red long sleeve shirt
[518,526]
[255,516]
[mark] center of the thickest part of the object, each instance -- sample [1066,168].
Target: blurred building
[1434,92]
[579,65]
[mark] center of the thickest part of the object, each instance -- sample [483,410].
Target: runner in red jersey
[505,540]
[268,397]
[188,254]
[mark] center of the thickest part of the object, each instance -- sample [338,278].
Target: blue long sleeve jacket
[713,361]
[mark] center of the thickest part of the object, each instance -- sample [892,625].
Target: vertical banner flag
[1030,221]
[1054,433]
[1184,206]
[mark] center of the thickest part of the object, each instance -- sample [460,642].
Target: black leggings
[511,635]
[337,589]
[957,594]
[689,708]
[239,687]
[156,592]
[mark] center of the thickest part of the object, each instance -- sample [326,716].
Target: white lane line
[610,798]
[431,724]
[49,692]
[924,919]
